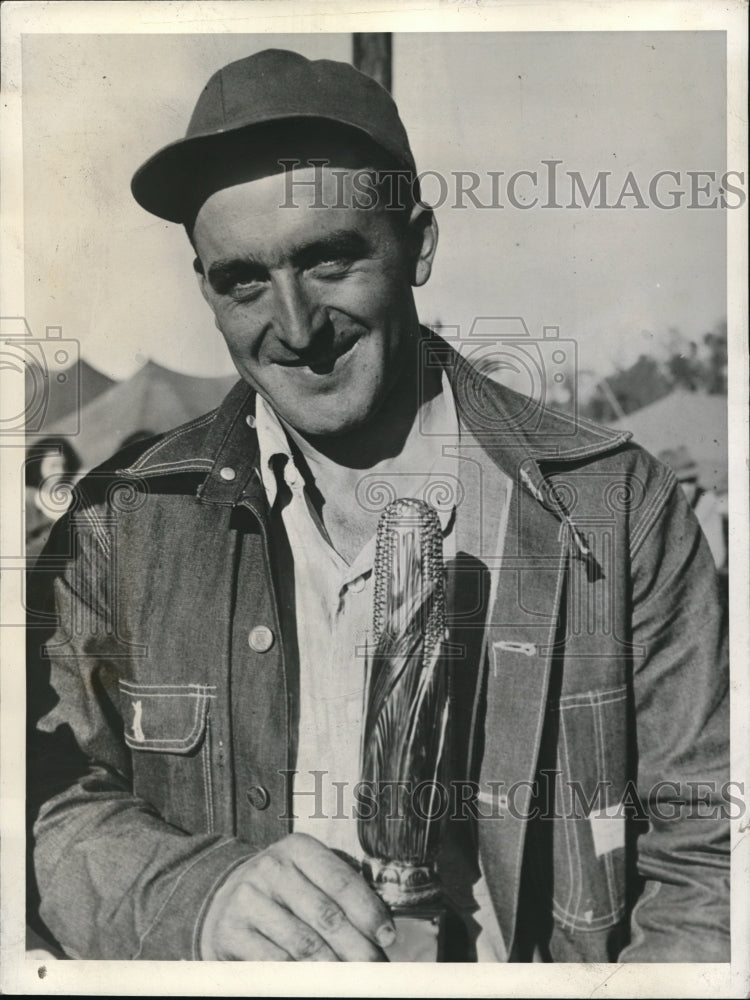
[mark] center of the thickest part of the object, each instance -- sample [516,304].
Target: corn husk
[407,707]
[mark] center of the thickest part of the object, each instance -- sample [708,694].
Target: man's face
[315,304]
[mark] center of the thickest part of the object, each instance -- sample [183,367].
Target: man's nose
[298,316]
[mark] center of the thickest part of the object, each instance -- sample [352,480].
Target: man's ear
[204,286]
[200,275]
[423,240]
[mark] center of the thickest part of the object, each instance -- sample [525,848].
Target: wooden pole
[371,53]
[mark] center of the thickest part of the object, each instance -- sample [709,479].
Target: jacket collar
[520,436]
[220,447]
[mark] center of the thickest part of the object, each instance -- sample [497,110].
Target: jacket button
[258,797]
[227,473]
[260,639]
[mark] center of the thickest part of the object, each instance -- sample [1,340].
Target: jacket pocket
[166,718]
[588,892]
[168,729]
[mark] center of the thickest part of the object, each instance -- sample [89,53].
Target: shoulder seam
[648,519]
[89,514]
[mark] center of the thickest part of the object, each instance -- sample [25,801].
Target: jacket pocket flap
[165,718]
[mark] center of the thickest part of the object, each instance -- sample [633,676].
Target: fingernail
[386,935]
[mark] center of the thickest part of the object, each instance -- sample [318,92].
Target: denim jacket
[162,695]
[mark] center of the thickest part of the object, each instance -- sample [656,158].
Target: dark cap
[238,104]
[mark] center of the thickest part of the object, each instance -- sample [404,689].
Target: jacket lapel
[521,634]
[520,649]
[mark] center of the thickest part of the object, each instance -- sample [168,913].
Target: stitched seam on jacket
[566,908]
[571,917]
[96,524]
[197,690]
[572,922]
[578,852]
[182,743]
[648,517]
[585,450]
[575,923]
[173,435]
[604,433]
[648,520]
[208,789]
[582,704]
[584,698]
[196,464]
[601,770]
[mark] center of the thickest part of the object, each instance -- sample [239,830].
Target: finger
[239,944]
[290,887]
[361,906]
[266,916]
[321,911]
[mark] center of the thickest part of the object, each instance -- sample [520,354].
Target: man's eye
[245,291]
[332,266]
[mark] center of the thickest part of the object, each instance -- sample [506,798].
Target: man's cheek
[363,297]
[239,332]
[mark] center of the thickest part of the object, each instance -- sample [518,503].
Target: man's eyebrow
[336,245]
[226,270]
[340,243]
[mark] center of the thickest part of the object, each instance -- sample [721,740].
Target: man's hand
[296,901]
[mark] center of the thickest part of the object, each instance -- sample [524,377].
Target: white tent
[155,399]
[694,420]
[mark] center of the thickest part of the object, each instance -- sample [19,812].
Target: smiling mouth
[322,362]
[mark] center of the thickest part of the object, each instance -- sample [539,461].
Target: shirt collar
[439,425]
[272,441]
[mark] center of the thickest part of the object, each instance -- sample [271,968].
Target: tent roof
[694,420]
[155,399]
[79,385]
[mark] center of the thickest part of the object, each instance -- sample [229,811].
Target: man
[51,468]
[197,695]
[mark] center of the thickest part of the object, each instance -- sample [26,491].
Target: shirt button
[260,639]
[227,473]
[358,585]
[291,475]
[258,797]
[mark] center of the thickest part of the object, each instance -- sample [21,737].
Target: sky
[614,281]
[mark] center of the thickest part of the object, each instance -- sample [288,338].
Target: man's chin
[329,425]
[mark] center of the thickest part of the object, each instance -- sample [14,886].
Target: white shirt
[333,601]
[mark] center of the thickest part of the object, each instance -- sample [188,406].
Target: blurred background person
[52,465]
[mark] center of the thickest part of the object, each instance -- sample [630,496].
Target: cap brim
[174,181]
